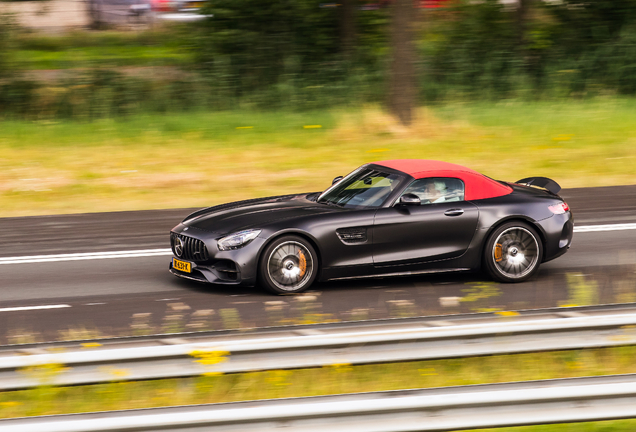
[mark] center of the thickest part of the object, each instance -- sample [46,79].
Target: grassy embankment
[34,51]
[202,158]
[321,381]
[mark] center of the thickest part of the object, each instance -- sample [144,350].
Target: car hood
[238,216]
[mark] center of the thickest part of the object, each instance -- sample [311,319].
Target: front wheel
[288,265]
[513,252]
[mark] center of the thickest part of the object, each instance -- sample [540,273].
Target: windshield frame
[402,180]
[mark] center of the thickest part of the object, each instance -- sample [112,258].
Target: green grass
[83,49]
[333,379]
[202,158]
[606,426]
[102,57]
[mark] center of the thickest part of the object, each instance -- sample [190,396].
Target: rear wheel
[513,252]
[288,265]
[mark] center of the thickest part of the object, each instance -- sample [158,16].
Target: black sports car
[389,218]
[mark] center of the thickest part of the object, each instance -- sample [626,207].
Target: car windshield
[365,187]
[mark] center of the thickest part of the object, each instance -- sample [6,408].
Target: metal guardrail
[438,409]
[345,343]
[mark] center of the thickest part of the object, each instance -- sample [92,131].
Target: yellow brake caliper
[302,263]
[498,252]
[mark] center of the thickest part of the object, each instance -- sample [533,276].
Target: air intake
[352,235]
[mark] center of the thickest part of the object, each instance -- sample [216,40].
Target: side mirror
[336,180]
[410,199]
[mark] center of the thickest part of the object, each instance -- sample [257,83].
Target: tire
[513,252]
[288,265]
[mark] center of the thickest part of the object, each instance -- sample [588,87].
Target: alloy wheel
[515,252]
[290,266]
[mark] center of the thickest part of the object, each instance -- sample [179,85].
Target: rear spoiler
[542,182]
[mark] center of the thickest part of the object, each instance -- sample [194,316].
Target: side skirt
[405,273]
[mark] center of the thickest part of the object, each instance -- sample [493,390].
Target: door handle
[454,212]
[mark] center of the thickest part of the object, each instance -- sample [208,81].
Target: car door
[345,234]
[441,227]
[345,237]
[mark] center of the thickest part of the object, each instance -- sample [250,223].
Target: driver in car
[435,192]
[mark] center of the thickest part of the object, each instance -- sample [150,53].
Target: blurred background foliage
[5,38]
[563,49]
[291,55]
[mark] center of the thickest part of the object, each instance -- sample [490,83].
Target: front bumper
[224,272]
[232,267]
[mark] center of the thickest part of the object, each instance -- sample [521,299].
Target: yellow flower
[209,358]
[507,313]
[91,345]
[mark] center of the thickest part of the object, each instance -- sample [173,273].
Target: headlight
[237,240]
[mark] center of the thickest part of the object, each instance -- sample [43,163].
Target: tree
[260,42]
[402,90]
[347,27]
[4,44]
[522,19]
[530,58]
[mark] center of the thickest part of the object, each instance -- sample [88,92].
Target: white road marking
[26,308]
[85,256]
[613,227]
[167,252]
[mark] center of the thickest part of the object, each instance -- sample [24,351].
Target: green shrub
[284,54]
[288,53]
[18,97]
[5,39]
[568,48]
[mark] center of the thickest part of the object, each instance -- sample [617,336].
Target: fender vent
[352,235]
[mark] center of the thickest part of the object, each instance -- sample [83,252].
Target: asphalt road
[122,296]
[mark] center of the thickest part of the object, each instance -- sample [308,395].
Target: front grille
[193,249]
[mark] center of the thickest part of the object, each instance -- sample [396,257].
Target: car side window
[437,190]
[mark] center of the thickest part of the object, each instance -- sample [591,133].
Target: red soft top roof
[477,186]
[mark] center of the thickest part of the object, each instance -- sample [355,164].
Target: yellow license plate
[183,266]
